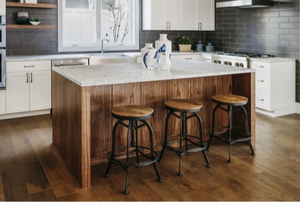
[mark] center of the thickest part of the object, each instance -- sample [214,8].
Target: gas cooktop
[245,54]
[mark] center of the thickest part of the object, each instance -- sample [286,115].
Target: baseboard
[278,112]
[24,114]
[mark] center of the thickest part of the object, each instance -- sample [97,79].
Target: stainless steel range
[239,59]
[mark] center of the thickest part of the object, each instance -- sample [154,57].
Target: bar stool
[230,134]
[135,117]
[184,107]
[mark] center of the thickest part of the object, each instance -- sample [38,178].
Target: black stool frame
[132,142]
[234,134]
[183,136]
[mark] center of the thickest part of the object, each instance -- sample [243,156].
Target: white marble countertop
[107,74]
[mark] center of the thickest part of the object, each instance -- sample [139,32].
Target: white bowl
[34,23]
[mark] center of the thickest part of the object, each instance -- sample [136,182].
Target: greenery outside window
[82,24]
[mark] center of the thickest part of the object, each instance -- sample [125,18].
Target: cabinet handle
[188,58]
[259,66]
[167,25]
[31,77]
[27,77]
[200,25]
[260,80]
[261,100]
[27,66]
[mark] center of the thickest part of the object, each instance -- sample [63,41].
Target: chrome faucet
[102,44]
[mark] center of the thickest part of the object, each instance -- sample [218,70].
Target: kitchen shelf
[14,4]
[30,27]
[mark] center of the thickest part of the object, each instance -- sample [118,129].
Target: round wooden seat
[132,112]
[230,99]
[183,105]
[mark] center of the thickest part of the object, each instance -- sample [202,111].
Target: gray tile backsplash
[273,30]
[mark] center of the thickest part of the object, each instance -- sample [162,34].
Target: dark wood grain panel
[71,126]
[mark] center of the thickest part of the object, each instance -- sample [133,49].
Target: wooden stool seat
[183,105]
[230,99]
[132,112]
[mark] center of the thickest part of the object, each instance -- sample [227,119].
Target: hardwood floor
[31,168]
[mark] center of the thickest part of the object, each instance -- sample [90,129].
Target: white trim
[24,114]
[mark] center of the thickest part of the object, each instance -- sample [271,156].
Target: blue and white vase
[163,45]
[148,56]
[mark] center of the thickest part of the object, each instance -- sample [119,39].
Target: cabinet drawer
[263,100]
[2,101]
[28,66]
[261,66]
[187,57]
[263,81]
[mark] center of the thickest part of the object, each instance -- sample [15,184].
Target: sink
[107,58]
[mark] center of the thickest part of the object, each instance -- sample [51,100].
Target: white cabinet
[275,86]
[2,101]
[163,14]
[178,14]
[2,7]
[200,15]
[28,86]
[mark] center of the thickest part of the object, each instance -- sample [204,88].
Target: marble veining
[107,74]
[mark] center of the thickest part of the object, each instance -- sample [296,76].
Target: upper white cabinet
[163,14]
[200,15]
[178,14]
[2,7]
[28,86]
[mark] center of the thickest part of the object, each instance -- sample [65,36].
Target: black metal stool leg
[212,128]
[126,183]
[201,139]
[229,131]
[165,137]
[152,150]
[113,147]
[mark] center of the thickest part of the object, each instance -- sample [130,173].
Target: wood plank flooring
[31,169]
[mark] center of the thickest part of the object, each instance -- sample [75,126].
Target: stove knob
[219,61]
[225,62]
[241,65]
[237,64]
[215,61]
[229,63]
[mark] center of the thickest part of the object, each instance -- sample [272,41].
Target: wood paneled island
[83,97]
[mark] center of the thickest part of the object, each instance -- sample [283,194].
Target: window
[83,24]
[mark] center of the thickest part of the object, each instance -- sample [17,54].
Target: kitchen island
[83,97]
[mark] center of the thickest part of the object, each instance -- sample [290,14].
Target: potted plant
[185,44]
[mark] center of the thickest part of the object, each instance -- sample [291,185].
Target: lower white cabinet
[275,85]
[187,56]
[2,101]
[28,86]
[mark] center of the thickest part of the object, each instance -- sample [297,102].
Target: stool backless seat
[186,109]
[230,134]
[133,118]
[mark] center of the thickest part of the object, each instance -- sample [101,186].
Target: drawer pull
[261,100]
[31,77]
[260,80]
[188,58]
[27,77]
[27,66]
[259,66]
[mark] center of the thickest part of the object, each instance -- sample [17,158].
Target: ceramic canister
[145,54]
[149,59]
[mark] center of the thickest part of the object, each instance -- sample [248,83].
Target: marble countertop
[107,74]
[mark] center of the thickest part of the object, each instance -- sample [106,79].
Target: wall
[273,30]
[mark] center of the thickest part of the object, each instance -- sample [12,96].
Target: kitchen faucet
[102,44]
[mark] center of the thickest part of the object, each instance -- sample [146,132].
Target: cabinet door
[206,14]
[40,90]
[176,14]
[2,7]
[17,92]
[191,15]
[155,14]
[2,102]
